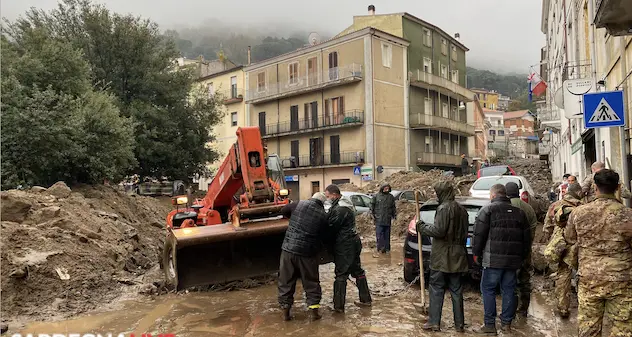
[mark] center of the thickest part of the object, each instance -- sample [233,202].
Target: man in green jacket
[448,258]
[523,288]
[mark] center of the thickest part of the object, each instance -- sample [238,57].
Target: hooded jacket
[341,219]
[513,193]
[383,207]
[308,223]
[449,254]
[502,236]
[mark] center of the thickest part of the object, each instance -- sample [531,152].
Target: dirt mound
[366,225]
[68,251]
[537,173]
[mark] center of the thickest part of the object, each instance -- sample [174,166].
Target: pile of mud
[408,180]
[68,251]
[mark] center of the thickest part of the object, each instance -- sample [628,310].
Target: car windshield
[495,171]
[428,214]
[487,183]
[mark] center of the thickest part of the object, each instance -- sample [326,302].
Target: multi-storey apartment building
[489,99]
[331,107]
[441,125]
[590,40]
[228,82]
[481,129]
[511,133]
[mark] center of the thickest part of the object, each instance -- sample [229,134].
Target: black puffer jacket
[502,236]
[307,227]
[341,218]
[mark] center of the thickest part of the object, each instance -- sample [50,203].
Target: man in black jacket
[502,240]
[299,255]
[347,249]
[383,210]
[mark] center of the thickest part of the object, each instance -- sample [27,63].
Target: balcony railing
[432,158]
[345,119]
[232,95]
[327,159]
[615,16]
[420,120]
[311,81]
[423,79]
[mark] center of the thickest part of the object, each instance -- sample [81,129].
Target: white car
[361,202]
[480,188]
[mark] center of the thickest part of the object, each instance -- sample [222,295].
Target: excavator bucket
[214,254]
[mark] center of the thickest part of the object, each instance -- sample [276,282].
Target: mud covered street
[254,311]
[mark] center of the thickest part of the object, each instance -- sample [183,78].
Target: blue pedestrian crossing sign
[356,171]
[604,109]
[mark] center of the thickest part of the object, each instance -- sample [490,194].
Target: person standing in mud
[523,288]
[502,240]
[448,259]
[384,211]
[559,253]
[602,230]
[347,248]
[299,255]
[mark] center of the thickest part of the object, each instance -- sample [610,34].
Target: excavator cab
[222,238]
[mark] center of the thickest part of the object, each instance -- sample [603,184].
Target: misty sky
[502,35]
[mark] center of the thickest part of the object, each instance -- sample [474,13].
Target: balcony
[426,80]
[422,121]
[350,158]
[432,158]
[323,122]
[310,82]
[549,118]
[615,16]
[233,95]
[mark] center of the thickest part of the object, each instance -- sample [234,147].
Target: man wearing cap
[299,254]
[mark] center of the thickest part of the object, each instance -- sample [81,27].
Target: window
[358,202]
[484,105]
[340,181]
[444,71]
[293,73]
[261,82]
[334,149]
[312,71]
[455,76]
[454,54]
[233,87]
[444,110]
[211,90]
[427,65]
[294,118]
[492,132]
[455,148]
[455,113]
[428,106]
[387,55]
[333,66]
[427,38]
[444,47]
[233,119]
[428,146]
[446,146]
[294,153]
[501,132]
[262,123]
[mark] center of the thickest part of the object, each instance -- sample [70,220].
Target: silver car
[480,188]
[361,202]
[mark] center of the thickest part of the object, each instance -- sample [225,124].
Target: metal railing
[347,118]
[440,122]
[231,95]
[314,79]
[433,158]
[350,157]
[422,76]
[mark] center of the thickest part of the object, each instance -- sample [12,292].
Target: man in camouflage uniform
[590,189]
[558,252]
[549,221]
[602,231]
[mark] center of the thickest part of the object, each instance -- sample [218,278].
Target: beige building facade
[333,109]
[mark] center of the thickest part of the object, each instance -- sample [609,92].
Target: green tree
[132,60]
[55,126]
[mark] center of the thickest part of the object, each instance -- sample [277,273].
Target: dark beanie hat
[512,190]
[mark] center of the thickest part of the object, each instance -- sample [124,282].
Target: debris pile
[408,180]
[366,225]
[537,173]
[68,251]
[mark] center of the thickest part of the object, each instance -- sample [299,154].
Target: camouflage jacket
[590,190]
[602,231]
[558,247]
[549,220]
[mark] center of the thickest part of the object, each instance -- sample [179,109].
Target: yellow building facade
[487,98]
[335,112]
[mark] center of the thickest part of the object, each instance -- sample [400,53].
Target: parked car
[407,195]
[427,214]
[497,170]
[361,202]
[480,188]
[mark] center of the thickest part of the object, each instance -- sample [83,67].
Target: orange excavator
[236,231]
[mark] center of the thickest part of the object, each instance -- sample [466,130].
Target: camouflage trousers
[563,287]
[597,298]
[523,286]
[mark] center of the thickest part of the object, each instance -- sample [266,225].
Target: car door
[367,205]
[358,203]
[407,196]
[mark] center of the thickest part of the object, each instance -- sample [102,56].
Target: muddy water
[253,312]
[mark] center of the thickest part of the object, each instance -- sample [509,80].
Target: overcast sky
[502,35]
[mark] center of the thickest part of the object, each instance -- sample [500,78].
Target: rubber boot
[505,327]
[364,292]
[486,330]
[287,316]
[340,295]
[523,308]
[313,314]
